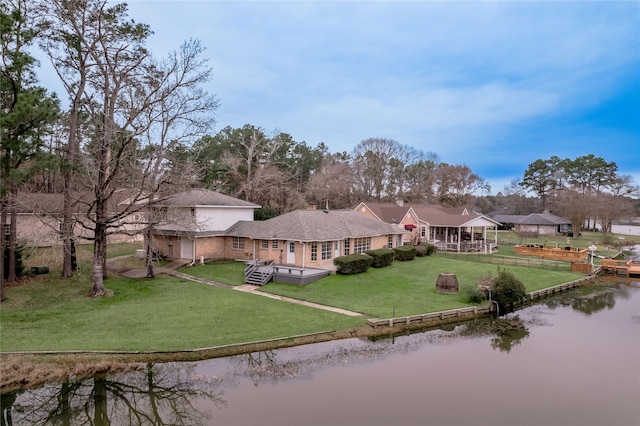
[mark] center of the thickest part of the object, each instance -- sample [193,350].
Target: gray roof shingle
[204,197]
[314,225]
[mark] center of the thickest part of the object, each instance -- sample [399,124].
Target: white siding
[220,219]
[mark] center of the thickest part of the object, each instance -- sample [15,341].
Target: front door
[291,252]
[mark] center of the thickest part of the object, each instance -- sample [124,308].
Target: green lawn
[408,288]
[162,314]
[168,313]
[226,272]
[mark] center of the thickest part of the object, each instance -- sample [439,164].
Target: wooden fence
[495,259]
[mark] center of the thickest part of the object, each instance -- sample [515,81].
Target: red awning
[410,226]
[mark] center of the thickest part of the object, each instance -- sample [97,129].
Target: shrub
[430,248]
[381,257]
[405,252]
[352,263]
[474,294]
[421,251]
[608,239]
[507,289]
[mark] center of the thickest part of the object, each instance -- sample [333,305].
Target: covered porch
[471,236]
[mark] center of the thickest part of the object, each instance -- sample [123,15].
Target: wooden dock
[622,267]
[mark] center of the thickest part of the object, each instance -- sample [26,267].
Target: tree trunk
[149,257]
[100,413]
[13,234]
[3,221]
[99,260]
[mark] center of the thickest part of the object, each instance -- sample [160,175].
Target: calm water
[573,360]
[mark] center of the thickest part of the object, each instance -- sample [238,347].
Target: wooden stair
[259,272]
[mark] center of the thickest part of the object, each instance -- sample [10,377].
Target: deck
[295,275]
[623,267]
[557,253]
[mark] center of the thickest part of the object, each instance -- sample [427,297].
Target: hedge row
[379,258]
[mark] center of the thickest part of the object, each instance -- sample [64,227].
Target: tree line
[144,125]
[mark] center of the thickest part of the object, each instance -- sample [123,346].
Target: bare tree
[371,164]
[334,184]
[455,185]
[575,206]
[605,208]
[129,100]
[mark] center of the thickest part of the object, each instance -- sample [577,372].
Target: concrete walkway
[170,269]
[247,288]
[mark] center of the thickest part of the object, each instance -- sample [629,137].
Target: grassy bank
[163,314]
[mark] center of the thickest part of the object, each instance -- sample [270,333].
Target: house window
[423,231]
[390,241]
[264,245]
[238,243]
[327,248]
[347,246]
[274,244]
[361,245]
[314,252]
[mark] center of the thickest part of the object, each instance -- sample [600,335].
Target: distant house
[454,229]
[208,225]
[535,224]
[40,218]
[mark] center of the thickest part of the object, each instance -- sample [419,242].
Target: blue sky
[493,85]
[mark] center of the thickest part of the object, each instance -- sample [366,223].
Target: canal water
[573,359]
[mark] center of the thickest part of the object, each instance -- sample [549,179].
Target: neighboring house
[454,229]
[40,216]
[208,225]
[536,224]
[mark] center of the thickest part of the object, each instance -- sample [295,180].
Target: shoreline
[25,370]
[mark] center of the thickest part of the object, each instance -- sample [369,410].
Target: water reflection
[388,381]
[157,395]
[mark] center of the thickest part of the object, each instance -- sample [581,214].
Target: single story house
[536,224]
[312,238]
[453,229]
